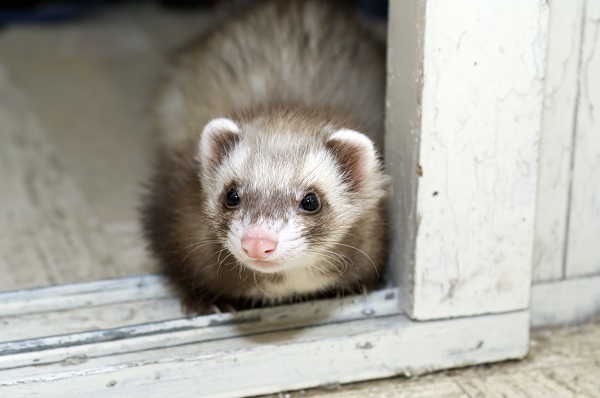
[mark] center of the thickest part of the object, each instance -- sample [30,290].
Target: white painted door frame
[126,337]
[465,93]
[566,266]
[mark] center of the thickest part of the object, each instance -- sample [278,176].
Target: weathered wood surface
[556,145]
[131,305]
[476,130]
[75,128]
[68,95]
[565,302]
[126,318]
[583,250]
[568,208]
[561,363]
[403,124]
[125,341]
[82,295]
[359,350]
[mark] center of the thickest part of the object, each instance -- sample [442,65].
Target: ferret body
[269,187]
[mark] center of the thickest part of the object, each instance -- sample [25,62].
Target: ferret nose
[258,248]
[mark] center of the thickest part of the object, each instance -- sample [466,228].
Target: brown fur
[303,64]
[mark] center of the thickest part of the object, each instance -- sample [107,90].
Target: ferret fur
[276,102]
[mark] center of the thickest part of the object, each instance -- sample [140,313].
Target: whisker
[205,242]
[220,263]
[260,288]
[362,252]
[359,285]
[305,179]
[336,268]
[343,257]
[326,273]
[328,254]
[190,252]
[340,257]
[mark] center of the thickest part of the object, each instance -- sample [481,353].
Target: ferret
[269,187]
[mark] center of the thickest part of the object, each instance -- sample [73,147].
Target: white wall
[568,208]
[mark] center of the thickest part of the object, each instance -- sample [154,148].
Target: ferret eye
[310,203]
[232,199]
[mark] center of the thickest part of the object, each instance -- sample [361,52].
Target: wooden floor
[76,143]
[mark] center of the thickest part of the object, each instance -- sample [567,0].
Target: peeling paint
[364,346]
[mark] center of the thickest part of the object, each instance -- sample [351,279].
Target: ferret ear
[355,154]
[219,136]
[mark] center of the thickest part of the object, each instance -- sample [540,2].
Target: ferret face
[281,195]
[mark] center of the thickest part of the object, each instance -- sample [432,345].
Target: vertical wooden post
[566,273]
[559,116]
[583,250]
[465,88]
[403,127]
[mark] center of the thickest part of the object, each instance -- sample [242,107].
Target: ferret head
[282,190]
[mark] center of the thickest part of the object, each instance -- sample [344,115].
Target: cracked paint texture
[559,116]
[583,239]
[480,131]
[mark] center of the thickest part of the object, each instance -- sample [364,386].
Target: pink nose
[258,248]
